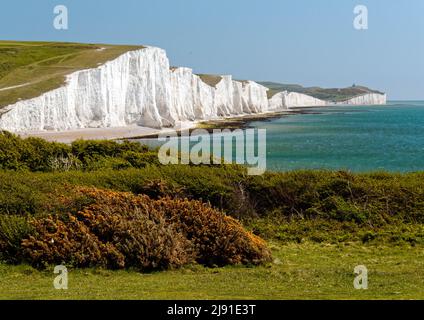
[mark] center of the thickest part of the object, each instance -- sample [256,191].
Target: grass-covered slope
[28,69]
[330,94]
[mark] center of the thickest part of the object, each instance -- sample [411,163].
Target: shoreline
[236,122]
[134,132]
[232,123]
[115,133]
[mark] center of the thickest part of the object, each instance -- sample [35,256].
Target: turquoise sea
[362,138]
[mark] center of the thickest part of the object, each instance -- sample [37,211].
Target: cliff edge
[139,88]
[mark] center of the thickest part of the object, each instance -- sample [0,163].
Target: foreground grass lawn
[300,271]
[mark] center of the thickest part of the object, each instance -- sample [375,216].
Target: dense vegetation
[330,94]
[95,227]
[120,230]
[32,68]
[40,180]
[38,155]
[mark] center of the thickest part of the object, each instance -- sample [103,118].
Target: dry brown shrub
[218,239]
[121,230]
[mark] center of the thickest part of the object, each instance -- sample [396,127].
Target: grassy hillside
[27,69]
[331,94]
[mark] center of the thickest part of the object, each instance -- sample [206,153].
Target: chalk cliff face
[367,99]
[136,88]
[192,99]
[286,100]
[140,88]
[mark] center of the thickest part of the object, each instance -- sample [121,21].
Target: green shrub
[141,160]
[38,154]
[35,154]
[9,151]
[95,149]
[12,230]
[29,154]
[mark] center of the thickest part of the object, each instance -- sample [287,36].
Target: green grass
[32,68]
[306,271]
[330,94]
[210,79]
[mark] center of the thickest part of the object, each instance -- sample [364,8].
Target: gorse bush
[218,239]
[57,241]
[121,230]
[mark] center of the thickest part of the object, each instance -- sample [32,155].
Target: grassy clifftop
[330,94]
[210,79]
[28,69]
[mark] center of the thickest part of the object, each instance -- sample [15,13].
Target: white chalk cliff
[286,100]
[366,99]
[140,88]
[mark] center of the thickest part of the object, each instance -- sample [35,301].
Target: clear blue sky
[310,42]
